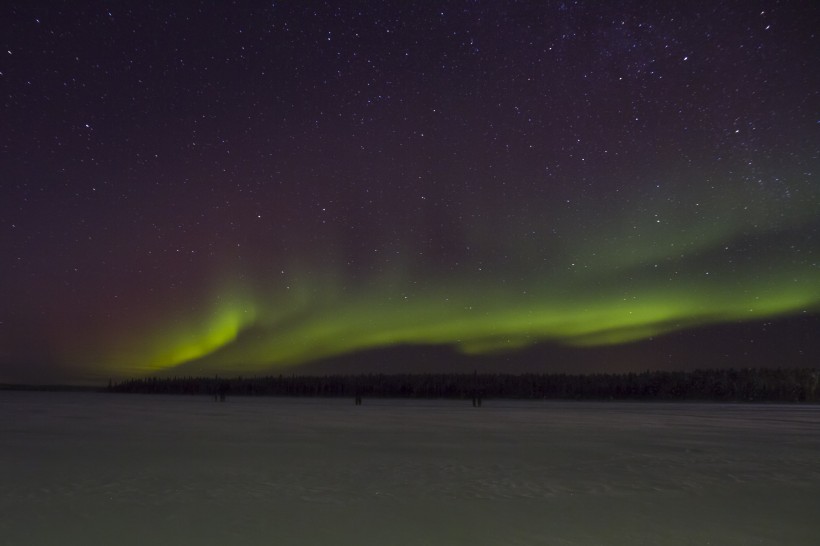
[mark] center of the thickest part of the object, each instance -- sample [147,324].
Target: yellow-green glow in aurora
[593,274]
[588,300]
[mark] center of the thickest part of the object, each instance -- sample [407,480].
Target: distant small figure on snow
[222,391]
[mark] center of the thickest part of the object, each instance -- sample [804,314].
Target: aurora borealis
[236,189]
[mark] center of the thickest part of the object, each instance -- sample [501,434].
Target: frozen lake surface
[86,468]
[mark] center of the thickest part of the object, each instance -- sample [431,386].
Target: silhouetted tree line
[745,385]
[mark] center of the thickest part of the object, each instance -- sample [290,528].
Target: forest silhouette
[726,385]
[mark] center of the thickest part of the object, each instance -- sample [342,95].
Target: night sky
[240,188]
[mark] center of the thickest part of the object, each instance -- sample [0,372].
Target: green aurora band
[632,284]
[244,339]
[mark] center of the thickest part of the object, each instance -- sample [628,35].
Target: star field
[239,188]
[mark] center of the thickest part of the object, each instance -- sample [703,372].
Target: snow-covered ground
[85,468]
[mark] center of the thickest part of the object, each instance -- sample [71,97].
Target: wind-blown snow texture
[134,470]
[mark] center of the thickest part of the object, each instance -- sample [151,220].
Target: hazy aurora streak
[585,304]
